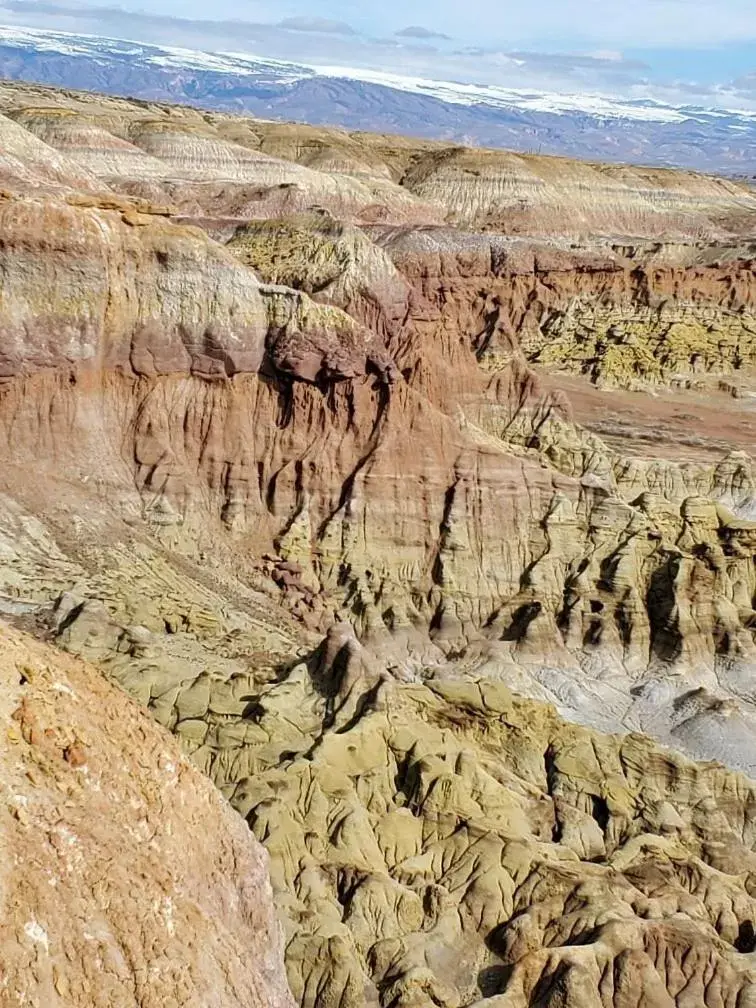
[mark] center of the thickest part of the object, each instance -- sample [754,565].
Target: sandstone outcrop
[216,166]
[531,194]
[28,164]
[221,405]
[333,262]
[132,294]
[126,879]
[635,315]
[311,483]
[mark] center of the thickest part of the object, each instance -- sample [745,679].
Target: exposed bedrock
[126,879]
[405,458]
[319,499]
[444,843]
[624,315]
[179,157]
[500,191]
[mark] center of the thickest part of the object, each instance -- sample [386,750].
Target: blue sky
[554,24]
[683,51]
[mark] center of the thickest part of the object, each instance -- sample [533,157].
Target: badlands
[411,488]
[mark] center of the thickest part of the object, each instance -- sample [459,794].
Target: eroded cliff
[486,433]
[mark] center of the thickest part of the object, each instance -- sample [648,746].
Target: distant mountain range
[595,127]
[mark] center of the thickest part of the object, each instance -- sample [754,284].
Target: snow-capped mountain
[593,126]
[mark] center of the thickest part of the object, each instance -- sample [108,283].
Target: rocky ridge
[446,843]
[255,427]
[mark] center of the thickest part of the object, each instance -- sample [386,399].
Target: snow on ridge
[283,73]
[228,62]
[73,44]
[68,43]
[495,96]
[98,47]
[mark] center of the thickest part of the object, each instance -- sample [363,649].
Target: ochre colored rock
[126,879]
[434,843]
[411,488]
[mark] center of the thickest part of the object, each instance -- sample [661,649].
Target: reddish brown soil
[686,425]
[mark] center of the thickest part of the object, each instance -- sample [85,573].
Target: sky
[684,51]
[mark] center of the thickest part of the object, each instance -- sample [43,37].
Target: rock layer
[445,843]
[339,425]
[142,356]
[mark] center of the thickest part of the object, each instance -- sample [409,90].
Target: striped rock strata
[409,440]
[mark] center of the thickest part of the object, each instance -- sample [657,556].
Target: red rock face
[470,458]
[396,426]
[411,467]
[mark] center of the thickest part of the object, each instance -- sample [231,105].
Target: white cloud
[419,32]
[326,26]
[603,24]
[608,55]
[558,24]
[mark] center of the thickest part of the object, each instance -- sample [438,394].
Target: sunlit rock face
[388,481]
[126,879]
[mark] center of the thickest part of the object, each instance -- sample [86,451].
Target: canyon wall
[482,422]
